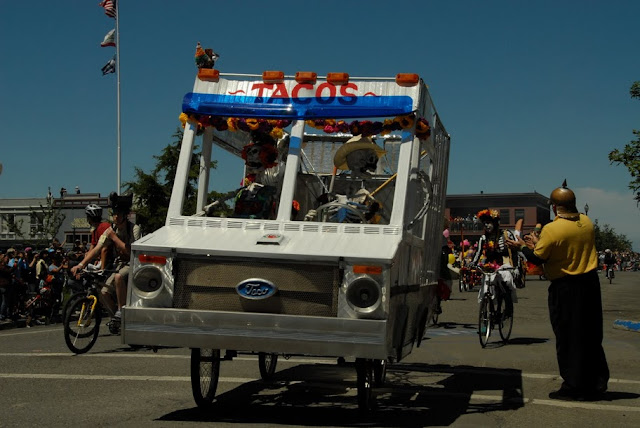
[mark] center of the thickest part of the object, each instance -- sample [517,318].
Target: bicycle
[500,315]
[83,314]
[610,273]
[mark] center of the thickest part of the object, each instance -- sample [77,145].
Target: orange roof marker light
[338,78]
[407,79]
[371,270]
[306,77]
[159,260]
[273,76]
[209,74]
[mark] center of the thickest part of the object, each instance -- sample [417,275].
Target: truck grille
[303,289]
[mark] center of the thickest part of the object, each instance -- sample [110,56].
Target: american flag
[109,7]
[109,67]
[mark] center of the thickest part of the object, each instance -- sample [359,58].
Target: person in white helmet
[609,261]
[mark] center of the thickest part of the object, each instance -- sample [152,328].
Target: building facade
[22,221]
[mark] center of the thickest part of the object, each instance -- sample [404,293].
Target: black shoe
[565,395]
[571,395]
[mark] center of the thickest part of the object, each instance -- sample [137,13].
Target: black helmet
[93,210]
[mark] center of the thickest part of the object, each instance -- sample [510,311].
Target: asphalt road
[449,381]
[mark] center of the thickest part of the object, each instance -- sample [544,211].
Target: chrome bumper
[284,334]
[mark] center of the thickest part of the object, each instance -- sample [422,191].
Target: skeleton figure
[362,162]
[360,156]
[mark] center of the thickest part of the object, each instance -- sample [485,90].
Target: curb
[627,325]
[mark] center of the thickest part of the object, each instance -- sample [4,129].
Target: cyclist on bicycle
[120,236]
[493,248]
[609,262]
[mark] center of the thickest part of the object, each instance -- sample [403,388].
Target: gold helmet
[565,201]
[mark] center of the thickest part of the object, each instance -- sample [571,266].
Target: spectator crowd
[27,272]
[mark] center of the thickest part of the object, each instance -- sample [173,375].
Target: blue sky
[531,92]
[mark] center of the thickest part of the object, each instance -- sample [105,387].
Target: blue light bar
[296,108]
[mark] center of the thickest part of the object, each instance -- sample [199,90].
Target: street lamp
[586,209]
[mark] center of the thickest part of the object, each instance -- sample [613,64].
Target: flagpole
[116,4]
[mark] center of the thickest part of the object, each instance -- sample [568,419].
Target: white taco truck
[330,249]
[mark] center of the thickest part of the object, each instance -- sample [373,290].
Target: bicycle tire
[71,299]
[461,282]
[81,328]
[484,321]
[506,321]
[205,372]
[267,363]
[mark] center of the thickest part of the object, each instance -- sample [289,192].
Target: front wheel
[82,323]
[205,371]
[267,364]
[461,282]
[484,321]
[505,312]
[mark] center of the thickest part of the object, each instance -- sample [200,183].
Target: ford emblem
[256,289]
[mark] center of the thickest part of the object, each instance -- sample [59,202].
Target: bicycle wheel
[461,282]
[267,364]
[81,325]
[484,321]
[205,371]
[505,312]
[364,370]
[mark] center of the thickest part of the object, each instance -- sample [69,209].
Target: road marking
[439,393]
[30,331]
[302,360]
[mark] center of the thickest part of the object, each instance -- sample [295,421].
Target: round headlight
[147,282]
[363,294]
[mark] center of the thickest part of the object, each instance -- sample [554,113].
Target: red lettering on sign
[261,87]
[296,89]
[331,87]
[343,90]
[280,92]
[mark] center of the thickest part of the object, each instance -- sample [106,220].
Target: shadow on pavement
[326,395]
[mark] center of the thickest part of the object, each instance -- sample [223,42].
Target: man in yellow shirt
[566,247]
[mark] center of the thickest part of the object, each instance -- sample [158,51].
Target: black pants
[575,309]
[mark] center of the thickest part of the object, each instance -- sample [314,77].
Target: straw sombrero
[356,143]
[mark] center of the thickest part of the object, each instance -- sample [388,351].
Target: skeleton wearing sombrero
[359,155]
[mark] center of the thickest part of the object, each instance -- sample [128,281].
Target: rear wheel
[505,311]
[364,369]
[267,364]
[82,324]
[205,371]
[484,321]
[461,282]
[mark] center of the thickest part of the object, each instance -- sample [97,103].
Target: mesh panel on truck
[303,289]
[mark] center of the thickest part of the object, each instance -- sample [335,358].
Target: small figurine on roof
[205,58]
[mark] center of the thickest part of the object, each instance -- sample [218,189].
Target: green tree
[630,156]
[606,237]
[153,190]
